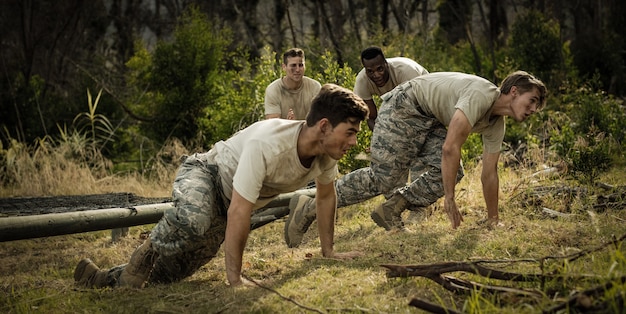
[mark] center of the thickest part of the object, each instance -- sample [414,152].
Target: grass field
[36,274]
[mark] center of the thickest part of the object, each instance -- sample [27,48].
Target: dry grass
[67,168]
[36,274]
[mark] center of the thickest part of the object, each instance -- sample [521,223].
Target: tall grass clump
[73,163]
[50,167]
[70,163]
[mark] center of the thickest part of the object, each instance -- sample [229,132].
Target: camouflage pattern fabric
[190,234]
[404,139]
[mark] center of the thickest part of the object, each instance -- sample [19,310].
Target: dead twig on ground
[431,307]
[436,271]
[429,270]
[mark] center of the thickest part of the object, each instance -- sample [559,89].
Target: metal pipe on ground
[37,226]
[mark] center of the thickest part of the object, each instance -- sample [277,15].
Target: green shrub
[590,157]
[180,80]
[587,129]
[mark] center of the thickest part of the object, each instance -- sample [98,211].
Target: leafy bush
[586,129]
[597,110]
[180,80]
[590,157]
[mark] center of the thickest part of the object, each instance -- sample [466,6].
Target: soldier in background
[380,75]
[290,96]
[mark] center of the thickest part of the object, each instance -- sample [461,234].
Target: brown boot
[88,275]
[302,213]
[387,214]
[138,269]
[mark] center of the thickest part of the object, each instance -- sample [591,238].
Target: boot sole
[380,221]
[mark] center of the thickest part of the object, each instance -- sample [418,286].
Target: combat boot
[138,269]
[88,275]
[302,213]
[388,214]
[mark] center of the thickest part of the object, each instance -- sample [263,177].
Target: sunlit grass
[36,274]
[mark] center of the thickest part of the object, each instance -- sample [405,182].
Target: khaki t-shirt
[400,70]
[279,99]
[441,93]
[261,161]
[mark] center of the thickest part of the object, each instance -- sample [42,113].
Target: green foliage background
[199,87]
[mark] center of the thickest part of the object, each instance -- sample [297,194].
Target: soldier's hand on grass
[242,283]
[453,212]
[345,255]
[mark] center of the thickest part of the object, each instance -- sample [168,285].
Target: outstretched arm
[458,131]
[237,230]
[326,205]
[491,185]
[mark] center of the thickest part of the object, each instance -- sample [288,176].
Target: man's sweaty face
[377,70]
[294,69]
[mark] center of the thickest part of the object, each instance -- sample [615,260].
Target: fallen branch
[470,267]
[457,285]
[553,213]
[435,272]
[431,307]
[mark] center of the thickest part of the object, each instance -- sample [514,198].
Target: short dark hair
[337,104]
[525,82]
[371,53]
[293,52]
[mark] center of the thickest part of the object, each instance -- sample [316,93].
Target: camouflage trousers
[405,140]
[190,234]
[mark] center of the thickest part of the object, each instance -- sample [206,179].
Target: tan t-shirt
[441,93]
[261,161]
[400,70]
[279,99]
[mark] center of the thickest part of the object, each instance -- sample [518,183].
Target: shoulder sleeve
[360,86]
[272,99]
[314,82]
[250,173]
[407,74]
[313,87]
[329,174]
[474,104]
[493,136]
[411,72]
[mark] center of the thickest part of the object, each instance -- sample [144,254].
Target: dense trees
[164,76]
